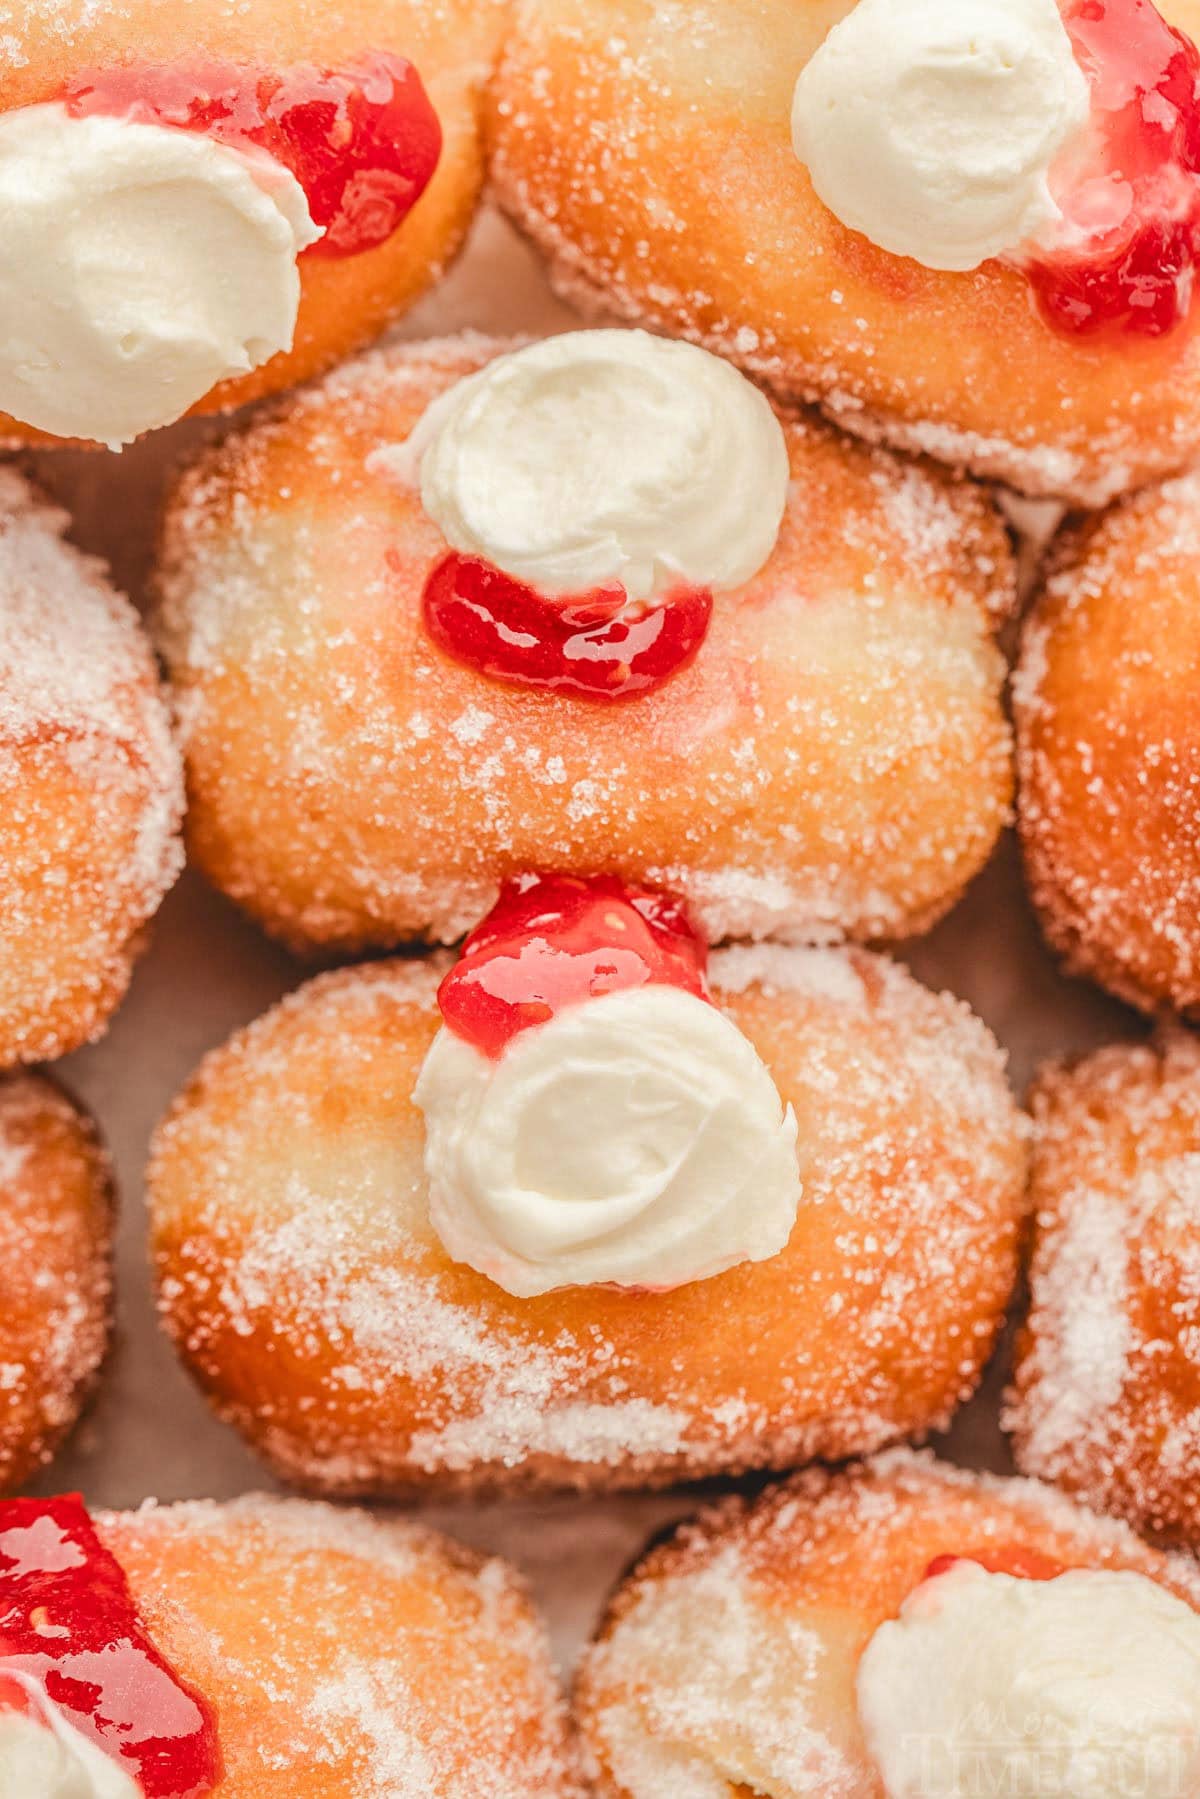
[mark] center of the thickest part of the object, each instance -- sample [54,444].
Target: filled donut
[204,204]
[966,228]
[1107,1397]
[591,605]
[1109,748]
[91,789]
[577,1211]
[261,1649]
[897,1631]
[56,1227]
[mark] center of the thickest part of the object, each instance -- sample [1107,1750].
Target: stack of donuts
[589,728]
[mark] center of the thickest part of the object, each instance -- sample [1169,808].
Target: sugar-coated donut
[56,1226]
[303,1283]
[728,1660]
[683,205]
[353,786]
[91,788]
[1109,750]
[1107,1396]
[346,300]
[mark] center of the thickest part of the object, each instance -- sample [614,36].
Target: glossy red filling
[598,644]
[363,142]
[552,941]
[68,1621]
[1126,255]
[1004,1558]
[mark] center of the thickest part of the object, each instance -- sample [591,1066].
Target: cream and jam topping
[591,1116]
[1059,136]
[1006,1672]
[89,1708]
[153,218]
[597,491]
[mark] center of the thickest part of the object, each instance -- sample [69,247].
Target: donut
[263,1647]
[901,1628]
[91,787]
[361,1313]
[1106,1399]
[1108,751]
[880,207]
[56,1228]
[363,771]
[209,204]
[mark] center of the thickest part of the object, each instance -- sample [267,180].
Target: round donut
[91,787]
[345,301]
[685,207]
[1107,1394]
[352,786]
[56,1228]
[305,1287]
[345,1654]
[727,1661]
[1109,749]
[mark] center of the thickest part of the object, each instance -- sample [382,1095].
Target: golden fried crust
[1109,748]
[353,787]
[345,302]
[91,787]
[348,1655]
[1107,1398]
[305,1288]
[727,1661]
[647,149]
[56,1226]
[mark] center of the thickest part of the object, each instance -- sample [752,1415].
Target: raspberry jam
[552,941]
[1006,1558]
[598,645]
[363,142]
[69,1623]
[1124,258]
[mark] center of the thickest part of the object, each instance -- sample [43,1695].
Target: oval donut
[353,787]
[303,1284]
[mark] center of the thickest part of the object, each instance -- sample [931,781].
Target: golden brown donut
[683,205]
[726,1664]
[91,789]
[305,1288]
[352,786]
[345,302]
[348,1655]
[1109,749]
[56,1227]
[1107,1397]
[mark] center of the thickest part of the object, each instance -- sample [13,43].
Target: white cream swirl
[636,1139]
[141,265]
[932,128]
[1086,1685]
[42,1756]
[604,456]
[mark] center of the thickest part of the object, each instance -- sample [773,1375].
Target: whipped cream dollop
[42,1756]
[635,1139]
[604,456]
[1087,1685]
[140,265]
[932,128]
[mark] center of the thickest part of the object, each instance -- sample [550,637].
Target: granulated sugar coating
[346,1654]
[727,1662]
[56,1226]
[834,763]
[305,1288]
[1107,1398]
[91,789]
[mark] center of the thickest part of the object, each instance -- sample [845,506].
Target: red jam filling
[1127,252]
[68,1622]
[552,941]
[1005,1558]
[599,645]
[363,141]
